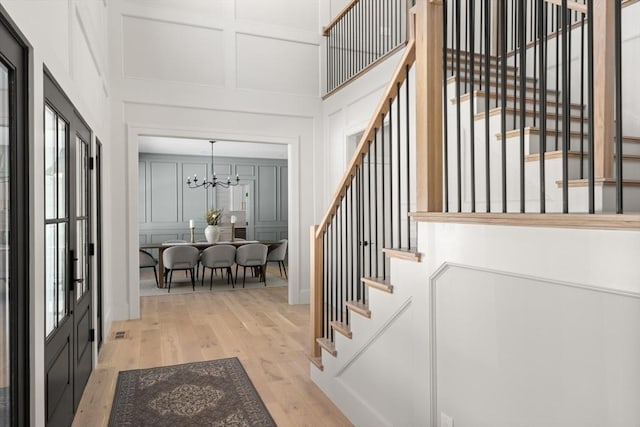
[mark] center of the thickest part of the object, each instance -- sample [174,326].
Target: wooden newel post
[315,284]
[603,86]
[428,67]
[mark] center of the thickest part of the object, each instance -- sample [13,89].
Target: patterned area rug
[213,393]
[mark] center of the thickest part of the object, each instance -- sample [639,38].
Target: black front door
[68,300]
[14,223]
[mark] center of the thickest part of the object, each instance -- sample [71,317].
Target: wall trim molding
[374,337]
[444,268]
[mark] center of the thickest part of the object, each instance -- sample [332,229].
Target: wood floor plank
[256,325]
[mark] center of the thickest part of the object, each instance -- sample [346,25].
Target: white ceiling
[201,147]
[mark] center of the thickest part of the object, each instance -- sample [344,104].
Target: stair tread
[317,361]
[493,83]
[599,181]
[359,307]
[558,154]
[406,254]
[342,328]
[328,345]
[532,130]
[379,283]
[497,110]
[481,93]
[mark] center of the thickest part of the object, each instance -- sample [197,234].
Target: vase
[212,233]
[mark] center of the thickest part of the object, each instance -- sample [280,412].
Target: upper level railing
[363,33]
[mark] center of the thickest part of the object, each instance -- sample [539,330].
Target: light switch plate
[445,420]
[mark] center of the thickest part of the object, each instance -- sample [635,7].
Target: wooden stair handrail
[391,92]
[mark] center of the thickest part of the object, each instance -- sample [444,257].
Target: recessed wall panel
[142,192]
[267,194]
[194,200]
[284,194]
[299,14]
[174,52]
[164,192]
[276,65]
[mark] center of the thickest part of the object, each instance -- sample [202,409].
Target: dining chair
[180,258]
[278,254]
[218,257]
[148,261]
[252,255]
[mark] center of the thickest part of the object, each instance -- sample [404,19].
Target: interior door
[68,305]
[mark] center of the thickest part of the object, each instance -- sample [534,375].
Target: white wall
[69,38]
[238,70]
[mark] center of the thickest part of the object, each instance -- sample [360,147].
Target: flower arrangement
[213,216]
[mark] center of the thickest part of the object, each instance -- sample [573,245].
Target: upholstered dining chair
[218,257]
[180,258]
[278,254]
[252,255]
[149,261]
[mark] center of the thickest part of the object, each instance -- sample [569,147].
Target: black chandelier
[196,183]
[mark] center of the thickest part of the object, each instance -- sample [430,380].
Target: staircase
[511,142]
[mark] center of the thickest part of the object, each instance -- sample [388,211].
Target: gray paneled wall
[166,204]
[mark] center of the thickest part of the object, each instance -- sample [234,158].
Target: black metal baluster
[391,171]
[503,97]
[375,195]
[458,111]
[590,97]
[558,48]
[348,249]
[325,288]
[536,36]
[582,64]
[369,207]
[445,107]
[522,22]
[334,287]
[383,199]
[408,154]
[566,124]
[618,70]
[487,100]
[472,121]
[341,261]
[465,47]
[361,221]
[399,160]
[514,41]
[542,138]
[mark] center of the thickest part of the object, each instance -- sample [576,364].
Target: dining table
[199,245]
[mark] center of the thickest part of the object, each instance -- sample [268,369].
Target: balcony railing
[362,34]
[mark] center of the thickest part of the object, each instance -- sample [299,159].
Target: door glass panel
[81,264]
[51,277]
[4,242]
[50,164]
[62,168]
[56,229]
[62,270]
[81,176]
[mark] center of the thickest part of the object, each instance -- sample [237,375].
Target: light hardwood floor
[257,326]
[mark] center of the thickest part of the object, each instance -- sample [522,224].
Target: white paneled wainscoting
[497,327]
